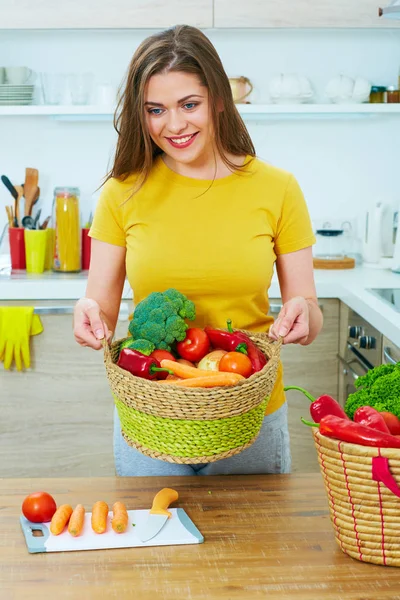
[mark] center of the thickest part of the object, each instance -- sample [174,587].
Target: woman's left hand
[292,323]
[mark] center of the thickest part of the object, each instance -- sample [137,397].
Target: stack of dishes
[16,94]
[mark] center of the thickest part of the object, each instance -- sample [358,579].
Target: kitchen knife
[9,186]
[158,514]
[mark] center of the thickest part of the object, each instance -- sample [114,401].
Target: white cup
[105,94]
[2,75]
[17,75]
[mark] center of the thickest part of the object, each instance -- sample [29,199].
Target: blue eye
[153,111]
[190,105]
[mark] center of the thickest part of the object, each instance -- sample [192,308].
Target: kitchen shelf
[248,111]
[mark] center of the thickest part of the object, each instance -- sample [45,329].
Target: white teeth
[182,140]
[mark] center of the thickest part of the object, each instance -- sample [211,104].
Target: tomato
[195,345]
[392,422]
[162,355]
[210,362]
[39,507]
[236,362]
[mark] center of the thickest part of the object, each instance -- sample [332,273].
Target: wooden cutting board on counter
[179,529]
[334,263]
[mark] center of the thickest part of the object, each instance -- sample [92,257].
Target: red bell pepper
[226,340]
[346,430]
[257,358]
[322,406]
[369,416]
[140,365]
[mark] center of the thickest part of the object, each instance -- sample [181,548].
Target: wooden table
[265,536]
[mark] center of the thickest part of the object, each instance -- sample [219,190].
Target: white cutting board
[179,529]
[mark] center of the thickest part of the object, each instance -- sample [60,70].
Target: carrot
[60,519]
[120,517]
[185,371]
[223,378]
[77,520]
[99,516]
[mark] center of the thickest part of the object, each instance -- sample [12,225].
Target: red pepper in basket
[392,422]
[346,430]
[226,340]
[257,358]
[140,365]
[322,406]
[369,416]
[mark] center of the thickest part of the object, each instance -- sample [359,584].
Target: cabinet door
[300,13]
[390,352]
[102,14]
[57,417]
[314,368]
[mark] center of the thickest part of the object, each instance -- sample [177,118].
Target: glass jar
[392,95]
[330,244]
[377,94]
[67,249]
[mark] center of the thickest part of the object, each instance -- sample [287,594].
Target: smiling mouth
[182,141]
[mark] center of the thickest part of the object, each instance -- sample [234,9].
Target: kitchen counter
[350,286]
[265,536]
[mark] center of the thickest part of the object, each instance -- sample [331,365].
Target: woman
[188,205]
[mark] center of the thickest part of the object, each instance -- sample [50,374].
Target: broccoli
[380,388]
[159,318]
[141,345]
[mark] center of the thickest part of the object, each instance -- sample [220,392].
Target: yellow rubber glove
[17,324]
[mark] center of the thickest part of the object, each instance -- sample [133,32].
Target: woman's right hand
[89,327]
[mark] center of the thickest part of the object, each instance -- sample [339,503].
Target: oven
[360,349]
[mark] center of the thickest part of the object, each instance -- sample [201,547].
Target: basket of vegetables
[189,395]
[359,456]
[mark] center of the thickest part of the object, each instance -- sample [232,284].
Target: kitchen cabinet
[300,13]
[57,417]
[102,14]
[390,352]
[314,368]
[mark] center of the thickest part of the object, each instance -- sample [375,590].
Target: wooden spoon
[31,190]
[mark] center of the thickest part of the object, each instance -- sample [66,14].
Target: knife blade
[158,514]
[9,186]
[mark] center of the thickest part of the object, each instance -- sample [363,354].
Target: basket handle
[106,347]
[381,473]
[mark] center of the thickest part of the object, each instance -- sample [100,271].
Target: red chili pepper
[346,430]
[322,406]
[139,364]
[369,416]
[257,358]
[226,340]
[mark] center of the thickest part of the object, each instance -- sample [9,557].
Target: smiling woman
[188,205]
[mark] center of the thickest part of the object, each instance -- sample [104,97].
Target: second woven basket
[192,425]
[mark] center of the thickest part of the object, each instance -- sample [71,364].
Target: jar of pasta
[67,249]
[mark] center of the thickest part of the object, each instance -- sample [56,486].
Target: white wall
[342,164]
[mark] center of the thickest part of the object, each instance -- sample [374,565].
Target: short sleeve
[107,223]
[294,229]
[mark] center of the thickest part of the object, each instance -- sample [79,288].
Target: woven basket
[361,483]
[192,425]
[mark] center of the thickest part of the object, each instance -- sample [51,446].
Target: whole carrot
[99,516]
[77,520]
[60,519]
[221,378]
[186,371]
[120,517]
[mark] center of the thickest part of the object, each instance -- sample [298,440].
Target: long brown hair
[182,48]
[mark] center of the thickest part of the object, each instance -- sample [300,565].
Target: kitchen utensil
[241,88]
[9,186]
[16,194]
[180,529]
[28,222]
[10,216]
[35,250]
[45,223]
[373,234]
[158,515]
[30,189]
[36,219]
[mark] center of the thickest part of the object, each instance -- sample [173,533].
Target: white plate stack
[17,95]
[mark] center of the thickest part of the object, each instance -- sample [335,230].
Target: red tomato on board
[195,345]
[162,355]
[236,362]
[39,507]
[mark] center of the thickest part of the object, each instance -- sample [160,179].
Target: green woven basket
[192,425]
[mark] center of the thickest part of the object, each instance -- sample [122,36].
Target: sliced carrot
[185,371]
[224,379]
[60,519]
[99,516]
[77,520]
[120,517]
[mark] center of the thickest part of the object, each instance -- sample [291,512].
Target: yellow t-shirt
[216,242]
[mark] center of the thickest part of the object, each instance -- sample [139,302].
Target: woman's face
[177,115]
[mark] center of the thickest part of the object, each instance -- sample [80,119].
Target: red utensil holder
[17,248]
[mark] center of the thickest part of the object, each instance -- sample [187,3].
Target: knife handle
[162,500]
